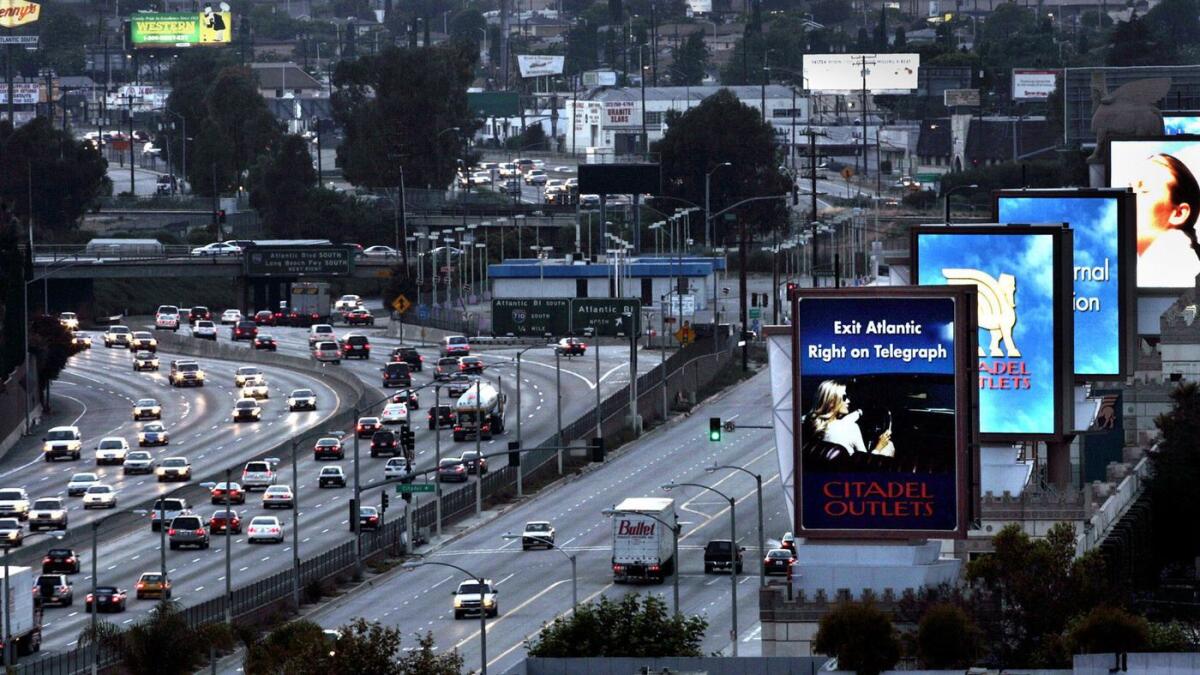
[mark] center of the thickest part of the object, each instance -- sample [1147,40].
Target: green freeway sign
[531,316]
[605,316]
[409,488]
[298,261]
[755,313]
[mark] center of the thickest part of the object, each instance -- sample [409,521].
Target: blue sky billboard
[1102,276]
[1025,356]
[883,404]
[1180,124]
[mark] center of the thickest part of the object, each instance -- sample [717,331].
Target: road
[535,586]
[101,381]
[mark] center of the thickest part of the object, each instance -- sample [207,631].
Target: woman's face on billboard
[1156,211]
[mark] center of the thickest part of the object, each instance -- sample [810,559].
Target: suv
[327,352]
[384,442]
[244,330]
[166,318]
[62,442]
[48,513]
[454,345]
[717,554]
[199,313]
[471,598]
[441,416]
[187,531]
[258,474]
[357,346]
[247,409]
[53,589]
[409,355]
[446,366]
[112,450]
[14,503]
[205,330]
[186,373]
[170,508]
[396,374]
[120,336]
[143,341]
[321,332]
[474,462]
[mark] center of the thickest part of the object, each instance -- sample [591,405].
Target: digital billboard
[1181,124]
[1163,173]
[1102,276]
[210,27]
[1022,275]
[883,404]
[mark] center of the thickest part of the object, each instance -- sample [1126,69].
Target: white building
[610,118]
[649,279]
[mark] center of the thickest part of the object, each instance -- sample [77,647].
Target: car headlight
[159,471]
[199,376]
[45,447]
[489,602]
[457,603]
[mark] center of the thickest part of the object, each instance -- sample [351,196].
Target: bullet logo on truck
[635,529]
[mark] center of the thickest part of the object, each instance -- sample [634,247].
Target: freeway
[199,575]
[535,586]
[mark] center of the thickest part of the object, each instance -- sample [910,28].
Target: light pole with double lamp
[733,552]
[675,529]
[482,610]
[762,550]
[708,233]
[570,556]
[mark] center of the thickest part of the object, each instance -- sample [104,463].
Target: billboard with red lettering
[884,412]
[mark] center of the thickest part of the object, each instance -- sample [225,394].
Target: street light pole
[437,453]
[478,453]
[228,548]
[762,542]
[733,552]
[558,407]
[355,521]
[709,229]
[957,188]
[295,528]
[482,610]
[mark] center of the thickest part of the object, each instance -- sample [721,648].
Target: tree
[947,638]
[691,60]
[723,129]
[425,661]
[190,77]
[161,643]
[361,648]
[1175,25]
[861,636]
[1132,43]
[294,648]
[1176,471]
[46,168]
[829,12]
[50,342]
[1108,629]
[280,184]
[1035,587]
[398,109]
[468,26]
[634,626]
[236,131]
[12,294]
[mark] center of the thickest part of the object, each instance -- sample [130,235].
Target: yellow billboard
[15,13]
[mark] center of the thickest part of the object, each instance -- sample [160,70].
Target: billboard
[536,65]
[886,73]
[15,13]
[1022,275]
[965,97]
[620,179]
[1102,225]
[182,29]
[24,93]
[1163,173]
[1033,85]
[700,6]
[622,114]
[1175,124]
[883,406]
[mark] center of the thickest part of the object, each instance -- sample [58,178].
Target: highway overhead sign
[18,39]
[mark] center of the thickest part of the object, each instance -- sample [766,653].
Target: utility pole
[864,73]
[812,160]
[132,179]
[742,243]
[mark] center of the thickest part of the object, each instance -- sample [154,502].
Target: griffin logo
[997,306]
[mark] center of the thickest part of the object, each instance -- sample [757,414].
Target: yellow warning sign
[847,172]
[686,335]
[401,304]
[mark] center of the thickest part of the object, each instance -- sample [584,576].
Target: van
[396,374]
[454,345]
[258,474]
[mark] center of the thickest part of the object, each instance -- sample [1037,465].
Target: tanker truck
[479,410]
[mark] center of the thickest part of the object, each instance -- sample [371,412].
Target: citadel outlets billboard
[1023,277]
[1102,300]
[882,412]
[1163,173]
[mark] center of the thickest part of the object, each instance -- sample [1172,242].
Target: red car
[570,347]
[264,318]
[359,317]
[245,330]
[221,519]
[236,494]
[472,365]
[778,561]
[264,341]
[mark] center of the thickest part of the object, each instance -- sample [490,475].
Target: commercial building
[648,279]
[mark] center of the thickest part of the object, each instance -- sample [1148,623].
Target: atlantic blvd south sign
[14,13]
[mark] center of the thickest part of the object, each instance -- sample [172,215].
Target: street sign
[298,261]
[411,488]
[18,39]
[401,304]
[423,312]
[755,313]
[682,305]
[847,172]
[686,335]
[606,316]
[531,316]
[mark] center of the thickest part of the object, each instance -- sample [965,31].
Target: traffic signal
[221,217]
[597,449]
[795,195]
[514,453]
[383,500]
[408,440]
[714,429]
[354,514]
[791,291]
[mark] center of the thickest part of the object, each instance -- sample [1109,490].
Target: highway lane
[535,586]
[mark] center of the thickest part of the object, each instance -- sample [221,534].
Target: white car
[278,496]
[100,497]
[138,461]
[117,336]
[112,450]
[394,413]
[302,399]
[380,252]
[348,302]
[71,322]
[231,316]
[398,468]
[174,468]
[219,248]
[321,332]
[144,361]
[247,409]
[48,513]
[80,483]
[147,408]
[205,330]
[244,373]
[14,503]
[62,442]
[259,473]
[166,320]
[265,529]
[537,533]
[256,387]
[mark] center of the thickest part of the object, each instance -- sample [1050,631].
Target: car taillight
[46,560]
[89,597]
[171,532]
[141,584]
[766,560]
[618,568]
[373,518]
[654,568]
[116,598]
[200,531]
[71,559]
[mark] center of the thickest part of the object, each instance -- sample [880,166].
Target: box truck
[643,544]
[25,616]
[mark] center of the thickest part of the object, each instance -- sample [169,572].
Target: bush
[861,636]
[1108,629]
[947,638]
[921,199]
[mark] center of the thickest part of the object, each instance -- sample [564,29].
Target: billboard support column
[1058,463]
[8,57]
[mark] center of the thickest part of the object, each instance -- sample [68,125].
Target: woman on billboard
[833,437]
[1168,202]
